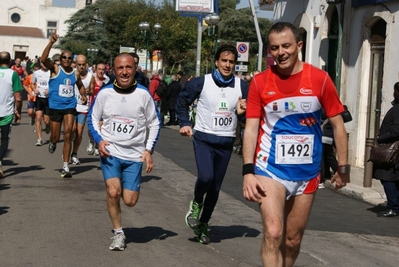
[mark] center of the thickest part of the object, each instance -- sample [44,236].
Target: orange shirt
[28,84]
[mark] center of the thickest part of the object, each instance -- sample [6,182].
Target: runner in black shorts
[40,82]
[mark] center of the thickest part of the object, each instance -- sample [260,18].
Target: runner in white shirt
[126,109]
[40,82]
[82,108]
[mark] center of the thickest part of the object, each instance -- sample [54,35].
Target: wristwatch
[150,151]
[344,169]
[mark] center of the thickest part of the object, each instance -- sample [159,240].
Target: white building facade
[354,41]
[25,26]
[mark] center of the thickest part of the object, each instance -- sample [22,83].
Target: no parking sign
[242,49]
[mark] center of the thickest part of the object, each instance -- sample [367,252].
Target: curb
[366,194]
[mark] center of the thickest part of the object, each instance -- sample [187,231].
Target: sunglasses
[65,57]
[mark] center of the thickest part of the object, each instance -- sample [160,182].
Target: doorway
[377,44]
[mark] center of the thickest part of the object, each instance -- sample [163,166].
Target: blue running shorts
[80,118]
[129,172]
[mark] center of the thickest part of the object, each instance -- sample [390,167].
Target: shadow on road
[79,169]
[3,210]
[219,233]
[147,178]
[4,186]
[146,234]
[19,170]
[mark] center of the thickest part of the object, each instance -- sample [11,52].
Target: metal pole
[199,41]
[146,51]
[260,47]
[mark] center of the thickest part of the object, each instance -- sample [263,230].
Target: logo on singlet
[289,107]
[261,157]
[223,105]
[306,106]
[67,81]
[305,91]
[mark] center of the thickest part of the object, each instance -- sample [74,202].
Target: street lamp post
[146,34]
[91,52]
[212,21]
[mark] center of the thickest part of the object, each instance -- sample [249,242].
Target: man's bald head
[5,58]
[81,64]
[81,58]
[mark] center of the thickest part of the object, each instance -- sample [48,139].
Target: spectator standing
[389,176]
[171,99]
[154,83]
[181,78]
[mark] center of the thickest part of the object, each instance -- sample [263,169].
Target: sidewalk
[374,195]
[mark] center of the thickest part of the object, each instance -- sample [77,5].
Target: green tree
[238,25]
[109,24]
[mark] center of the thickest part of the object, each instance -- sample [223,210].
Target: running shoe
[51,147]
[74,159]
[39,142]
[202,233]
[90,148]
[96,153]
[65,173]
[118,242]
[321,186]
[47,129]
[193,214]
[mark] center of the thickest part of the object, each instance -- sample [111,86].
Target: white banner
[126,49]
[195,6]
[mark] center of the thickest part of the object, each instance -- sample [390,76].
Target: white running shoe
[118,242]
[39,142]
[90,148]
[96,153]
[74,159]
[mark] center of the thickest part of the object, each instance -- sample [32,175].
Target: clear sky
[64,3]
[243,3]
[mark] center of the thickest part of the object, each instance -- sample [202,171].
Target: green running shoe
[193,214]
[202,233]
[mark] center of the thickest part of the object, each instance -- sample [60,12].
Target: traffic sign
[242,49]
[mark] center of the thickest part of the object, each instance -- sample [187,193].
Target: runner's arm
[44,57]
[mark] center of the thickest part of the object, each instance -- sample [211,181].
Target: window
[51,28]
[15,17]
